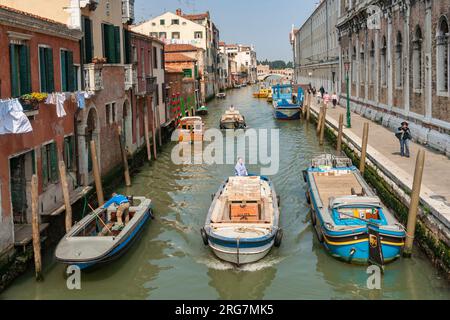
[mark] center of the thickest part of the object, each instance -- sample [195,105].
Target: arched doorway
[127,125]
[88,130]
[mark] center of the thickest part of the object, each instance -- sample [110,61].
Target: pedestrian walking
[334,99]
[319,97]
[322,91]
[326,99]
[403,134]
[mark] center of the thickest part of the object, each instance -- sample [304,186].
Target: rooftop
[180,48]
[178,57]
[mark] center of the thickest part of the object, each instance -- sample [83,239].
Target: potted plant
[32,100]
[99,60]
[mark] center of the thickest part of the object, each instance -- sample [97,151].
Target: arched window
[362,65]
[399,61]
[383,61]
[372,72]
[417,59]
[442,45]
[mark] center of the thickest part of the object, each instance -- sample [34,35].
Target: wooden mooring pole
[66,195]
[323,126]
[414,205]
[340,134]
[146,135]
[319,121]
[365,140]
[97,178]
[35,227]
[126,169]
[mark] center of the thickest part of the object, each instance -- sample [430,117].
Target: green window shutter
[111,46]
[127,46]
[117,44]
[88,40]
[44,165]
[15,90]
[50,70]
[43,69]
[63,71]
[25,74]
[54,162]
[105,40]
[70,72]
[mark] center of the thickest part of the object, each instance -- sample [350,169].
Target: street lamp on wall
[347,80]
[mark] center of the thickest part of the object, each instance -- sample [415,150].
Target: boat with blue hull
[287,104]
[348,217]
[242,224]
[86,247]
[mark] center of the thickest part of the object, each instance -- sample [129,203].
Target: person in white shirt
[240,169]
[334,99]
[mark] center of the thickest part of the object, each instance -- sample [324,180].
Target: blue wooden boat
[83,245]
[348,217]
[287,105]
[242,224]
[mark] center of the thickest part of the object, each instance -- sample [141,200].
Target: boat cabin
[191,129]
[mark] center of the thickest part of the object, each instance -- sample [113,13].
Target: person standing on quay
[322,91]
[404,135]
[334,99]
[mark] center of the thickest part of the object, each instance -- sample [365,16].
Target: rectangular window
[67,71]
[163,35]
[49,160]
[46,73]
[176,21]
[20,70]
[154,34]
[157,95]
[163,62]
[162,22]
[113,109]
[108,114]
[175,35]
[198,35]
[155,58]
[69,153]
[187,73]
[88,44]
[111,43]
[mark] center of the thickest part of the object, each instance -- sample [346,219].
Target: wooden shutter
[44,165]
[111,45]
[15,89]
[54,162]
[70,72]
[63,71]
[127,46]
[43,70]
[117,45]
[88,40]
[50,70]
[24,66]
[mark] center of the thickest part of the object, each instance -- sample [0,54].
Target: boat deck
[332,184]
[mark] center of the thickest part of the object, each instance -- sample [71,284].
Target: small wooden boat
[221,95]
[263,93]
[203,110]
[232,119]
[84,246]
[191,129]
[349,218]
[242,224]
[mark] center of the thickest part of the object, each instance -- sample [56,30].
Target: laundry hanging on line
[12,118]
[58,99]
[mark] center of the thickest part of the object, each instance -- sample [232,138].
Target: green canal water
[170,261]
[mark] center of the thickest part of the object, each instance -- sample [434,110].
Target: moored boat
[263,93]
[190,129]
[348,217]
[232,119]
[203,110]
[287,104]
[221,95]
[242,224]
[85,245]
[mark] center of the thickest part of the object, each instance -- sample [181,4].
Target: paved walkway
[385,148]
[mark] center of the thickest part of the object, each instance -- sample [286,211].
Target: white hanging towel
[13,119]
[60,99]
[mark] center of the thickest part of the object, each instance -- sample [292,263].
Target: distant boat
[286,104]
[348,217]
[191,129]
[203,110]
[221,95]
[262,93]
[242,224]
[232,119]
[84,247]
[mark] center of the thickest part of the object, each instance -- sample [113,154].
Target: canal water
[170,261]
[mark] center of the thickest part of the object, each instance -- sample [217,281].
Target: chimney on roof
[179,12]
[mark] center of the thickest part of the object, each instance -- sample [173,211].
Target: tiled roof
[178,57]
[200,16]
[179,48]
[32,15]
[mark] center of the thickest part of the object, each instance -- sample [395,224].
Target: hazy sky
[264,23]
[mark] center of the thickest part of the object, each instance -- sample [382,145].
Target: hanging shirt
[241,170]
[12,118]
[81,100]
[60,99]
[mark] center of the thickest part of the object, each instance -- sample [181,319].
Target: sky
[263,23]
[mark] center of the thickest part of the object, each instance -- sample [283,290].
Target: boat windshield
[358,215]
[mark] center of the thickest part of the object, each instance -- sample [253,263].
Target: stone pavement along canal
[384,150]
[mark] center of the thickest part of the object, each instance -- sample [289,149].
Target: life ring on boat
[204,236]
[278,238]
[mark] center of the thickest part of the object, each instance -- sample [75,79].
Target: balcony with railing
[93,77]
[131,78]
[128,11]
